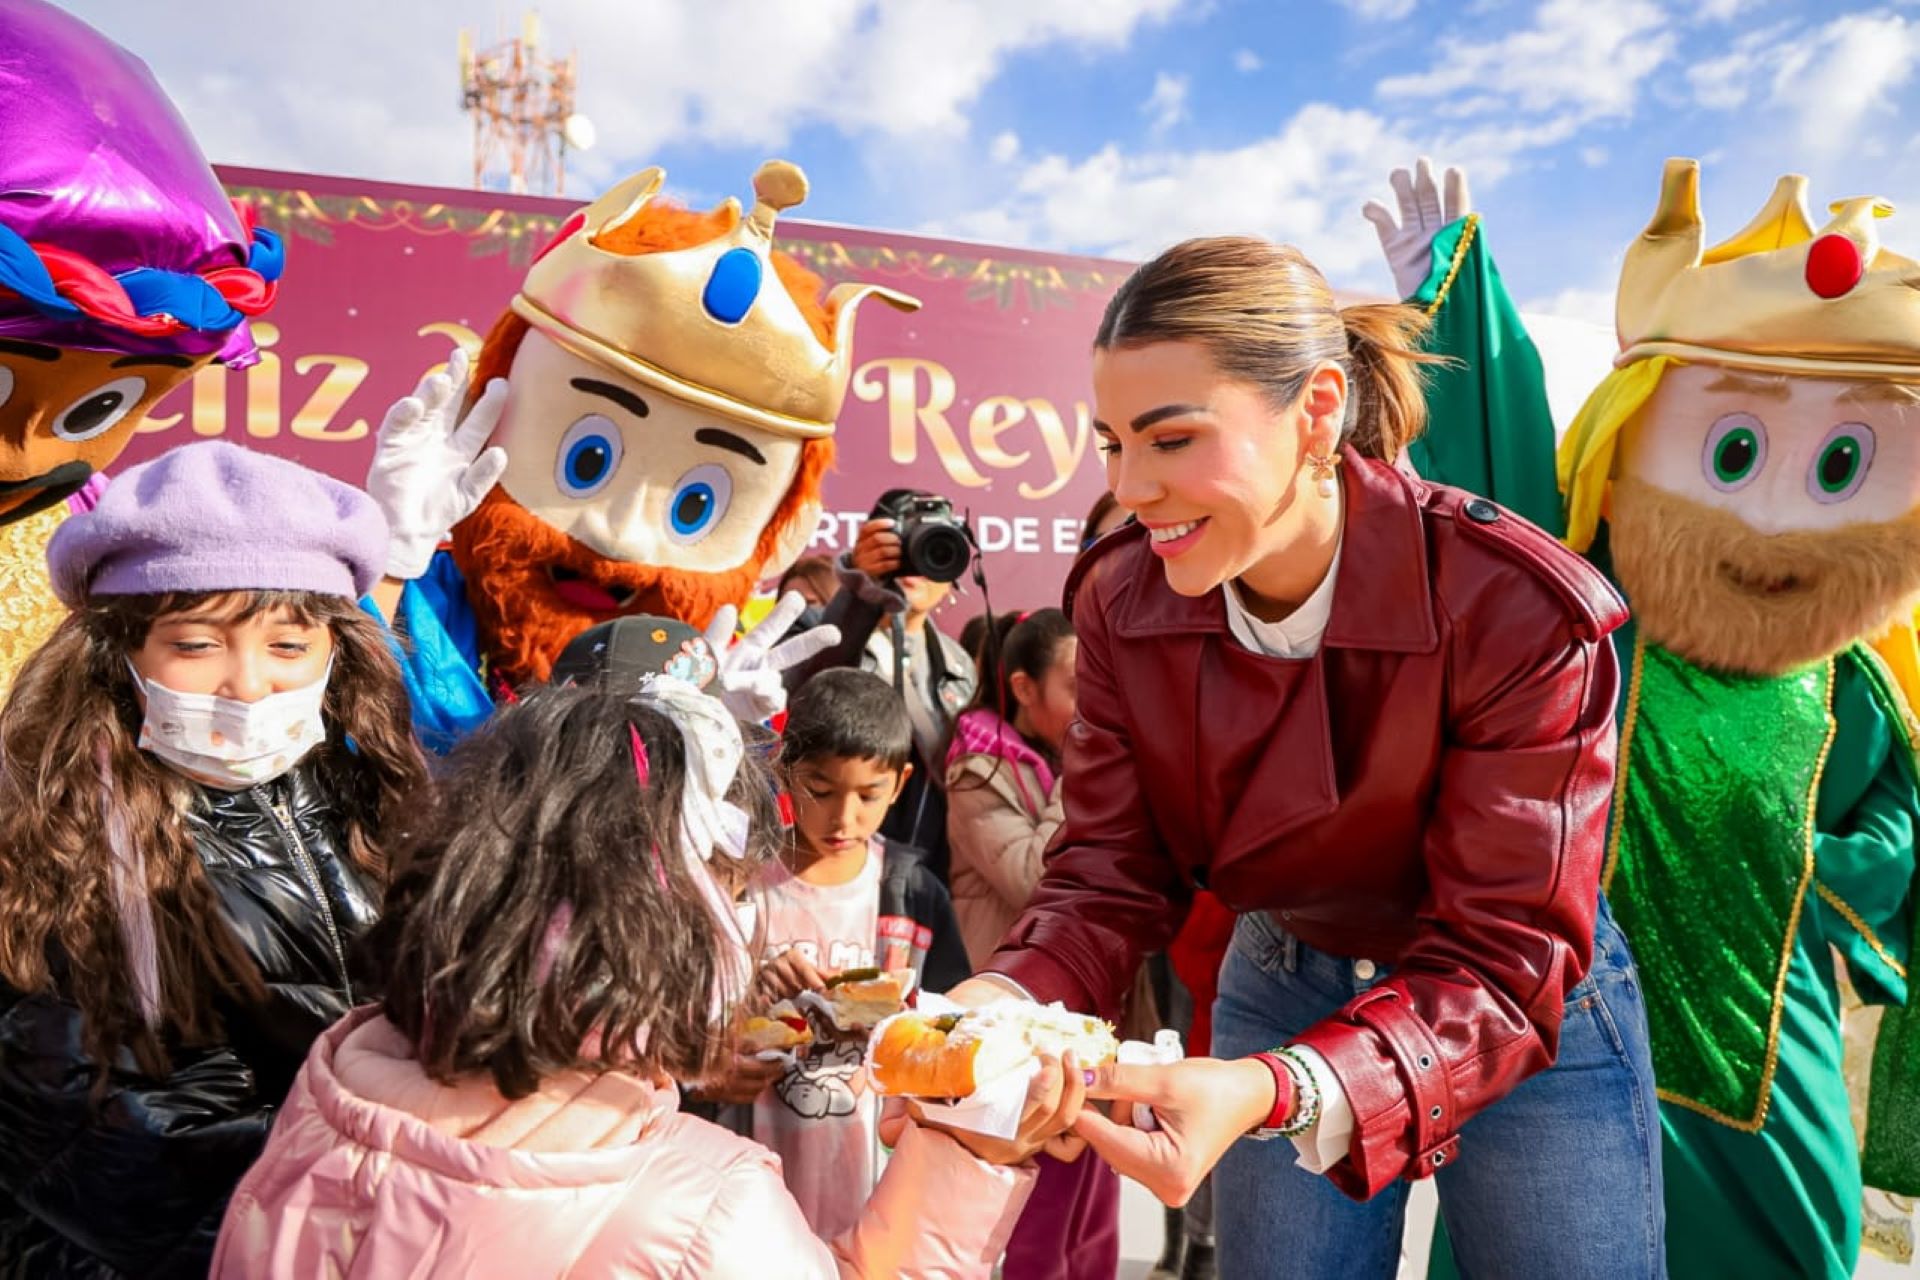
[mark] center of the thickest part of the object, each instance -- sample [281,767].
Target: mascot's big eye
[6,383]
[98,411]
[1736,450]
[589,455]
[698,501]
[1840,468]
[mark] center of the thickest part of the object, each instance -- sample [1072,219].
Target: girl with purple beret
[196,774]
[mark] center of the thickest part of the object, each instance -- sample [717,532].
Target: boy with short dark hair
[844,897]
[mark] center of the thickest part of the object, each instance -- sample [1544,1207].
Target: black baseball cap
[626,650]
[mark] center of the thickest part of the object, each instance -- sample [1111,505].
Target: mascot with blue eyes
[124,269]
[647,432]
[1749,474]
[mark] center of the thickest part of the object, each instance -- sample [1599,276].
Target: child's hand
[787,976]
[744,1081]
[1054,1102]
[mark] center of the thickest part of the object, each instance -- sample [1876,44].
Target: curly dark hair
[541,919]
[69,756]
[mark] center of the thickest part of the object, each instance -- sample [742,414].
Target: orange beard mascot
[656,420]
[124,269]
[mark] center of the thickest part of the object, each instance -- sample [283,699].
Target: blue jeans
[1560,1178]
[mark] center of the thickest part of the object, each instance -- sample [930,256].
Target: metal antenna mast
[521,104]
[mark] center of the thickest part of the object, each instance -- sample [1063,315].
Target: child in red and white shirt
[842,897]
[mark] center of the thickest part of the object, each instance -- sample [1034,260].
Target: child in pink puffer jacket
[559,945]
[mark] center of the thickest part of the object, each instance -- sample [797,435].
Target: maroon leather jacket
[1430,788]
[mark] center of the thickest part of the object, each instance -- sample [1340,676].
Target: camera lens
[937,551]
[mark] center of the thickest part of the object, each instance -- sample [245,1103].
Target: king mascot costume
[647,431]
[1749,475]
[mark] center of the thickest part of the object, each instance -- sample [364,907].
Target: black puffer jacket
[134,1183]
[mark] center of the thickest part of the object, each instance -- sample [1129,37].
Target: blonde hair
[1267,317]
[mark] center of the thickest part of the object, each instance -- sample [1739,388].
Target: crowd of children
[273,1000]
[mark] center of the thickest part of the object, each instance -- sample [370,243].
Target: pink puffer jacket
[375,1171]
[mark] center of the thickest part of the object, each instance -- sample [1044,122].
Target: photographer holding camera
[903,564]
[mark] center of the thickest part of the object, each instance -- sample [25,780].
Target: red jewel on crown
[1834,266]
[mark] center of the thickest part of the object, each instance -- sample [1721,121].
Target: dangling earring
[1325,468]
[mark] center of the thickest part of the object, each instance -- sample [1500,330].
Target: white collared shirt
[1297,635]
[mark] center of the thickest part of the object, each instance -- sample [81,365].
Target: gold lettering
[991,418]
[1062,452]
[897,379]
[209,405]
[314,419]
[462,336]
[263,385]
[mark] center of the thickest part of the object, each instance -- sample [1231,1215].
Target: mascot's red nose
[1834,266]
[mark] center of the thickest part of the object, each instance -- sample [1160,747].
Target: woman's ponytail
[1387,404]
[1266,317]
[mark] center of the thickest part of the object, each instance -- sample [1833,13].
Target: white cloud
[1845,73]
[1166,106]
[1719,10]
[1379,10]
[1304,184]
[1588,306]
[1246,61]
[1829,80]
[1585,61]
[1005,148]
[369,87]
[1726,82]
[1593,157]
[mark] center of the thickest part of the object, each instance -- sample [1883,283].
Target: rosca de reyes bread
[919,1055]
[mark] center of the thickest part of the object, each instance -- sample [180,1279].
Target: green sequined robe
[1761,827]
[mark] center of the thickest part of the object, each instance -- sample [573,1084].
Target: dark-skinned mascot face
[124,268]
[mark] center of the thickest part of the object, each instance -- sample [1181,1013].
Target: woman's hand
[876,549]
[786,976]
[1056,1095]
[1203,1106]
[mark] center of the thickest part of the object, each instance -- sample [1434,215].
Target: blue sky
[1113,126]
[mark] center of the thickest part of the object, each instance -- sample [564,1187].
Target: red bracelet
[1282,1093]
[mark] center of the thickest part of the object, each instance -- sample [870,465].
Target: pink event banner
[981,396]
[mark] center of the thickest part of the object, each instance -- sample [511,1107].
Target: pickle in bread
[859,1000]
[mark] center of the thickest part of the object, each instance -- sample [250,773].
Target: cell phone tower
[521,104]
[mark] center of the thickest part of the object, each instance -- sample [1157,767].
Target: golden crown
[1778,296]
[711,324]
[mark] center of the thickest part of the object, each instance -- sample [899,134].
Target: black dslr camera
[934,542]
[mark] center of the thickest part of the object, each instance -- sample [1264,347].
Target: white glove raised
[1408,243]
[749,675]
[430,470]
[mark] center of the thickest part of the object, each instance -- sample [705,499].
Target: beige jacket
[998,826]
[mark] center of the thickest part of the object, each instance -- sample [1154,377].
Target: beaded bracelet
[1306,1110]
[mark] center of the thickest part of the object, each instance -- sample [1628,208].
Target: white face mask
[229,744]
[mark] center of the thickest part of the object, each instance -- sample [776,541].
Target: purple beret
[212,516]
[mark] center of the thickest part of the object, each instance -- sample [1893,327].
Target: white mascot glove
[430,470]
[1408,243]
[749,675]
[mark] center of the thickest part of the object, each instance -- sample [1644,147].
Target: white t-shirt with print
[820,1118]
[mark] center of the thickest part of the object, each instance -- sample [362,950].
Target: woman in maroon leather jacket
[1375,716]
